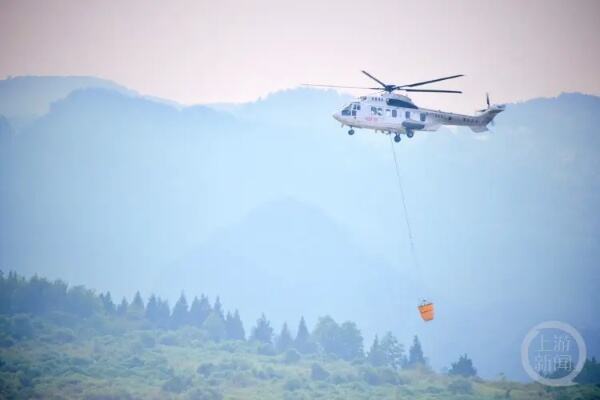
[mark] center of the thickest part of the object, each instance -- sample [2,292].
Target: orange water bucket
[426,310]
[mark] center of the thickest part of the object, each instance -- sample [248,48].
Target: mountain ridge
[107,185]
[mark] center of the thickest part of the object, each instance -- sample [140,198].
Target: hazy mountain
[5,129]
[298,107]
[294,260]
[24,98]
[277,209]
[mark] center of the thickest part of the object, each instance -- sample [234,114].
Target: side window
[422,117]
[387,112]
[394,113]
[379,111]
[407,115]
[358,107]
[373,110]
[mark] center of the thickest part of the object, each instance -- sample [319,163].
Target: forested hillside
[67,342]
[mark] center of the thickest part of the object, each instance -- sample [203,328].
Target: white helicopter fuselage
[397,114]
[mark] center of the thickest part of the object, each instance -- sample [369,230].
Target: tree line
[39,296]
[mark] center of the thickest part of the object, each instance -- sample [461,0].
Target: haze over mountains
[272,200]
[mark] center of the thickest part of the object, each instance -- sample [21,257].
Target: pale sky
[232,51]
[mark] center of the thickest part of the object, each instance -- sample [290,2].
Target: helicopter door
[355,108]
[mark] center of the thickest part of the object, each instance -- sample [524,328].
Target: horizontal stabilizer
[478,128]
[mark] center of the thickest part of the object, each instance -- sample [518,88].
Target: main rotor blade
[434,80]
[431,90]
[375,79]
[344,87]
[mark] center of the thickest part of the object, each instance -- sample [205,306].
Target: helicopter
[390,112]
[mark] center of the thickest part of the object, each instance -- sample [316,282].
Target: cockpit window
[346,110]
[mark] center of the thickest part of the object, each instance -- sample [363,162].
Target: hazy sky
[212,51]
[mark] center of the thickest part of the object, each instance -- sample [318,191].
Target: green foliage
[147,340]
[107,394]
[590,374]
[392,350]
[122,308]
[344,341]
[107,303]
[177,384]
[205,369]
[218,308]
[376,356]
[318,373]
[21,327]
[163,313]
[215,327]
[170,339]
[463,367]
[415,355]
[379,376]
[262,332]
[136,308]
[266,349]
[62,336]
[291,357]
[460,386]
[200,310]
[234,328]
[5,340]
[294,384]
[303,342]
[81,301]
[60,351]
[180,314]
[284,341]
[204,394]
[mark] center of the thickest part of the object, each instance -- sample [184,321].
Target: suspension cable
[410,235]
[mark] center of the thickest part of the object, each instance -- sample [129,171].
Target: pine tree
[199,311]
[376,356]
[262,332]
[344,341]
[152,309]
[590,374]
[107,303]
[303,342]
[193,311]
[234,327]
[351,342]
[218,308]
[284,340]
[214,326]
[393,350]
[122,309]
[180,314]
[415,354]
[163,313]
[463,367]
[136,308]
[137,302]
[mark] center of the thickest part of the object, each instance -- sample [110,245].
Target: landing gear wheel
[351,132]
[397,138]
[410,134]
